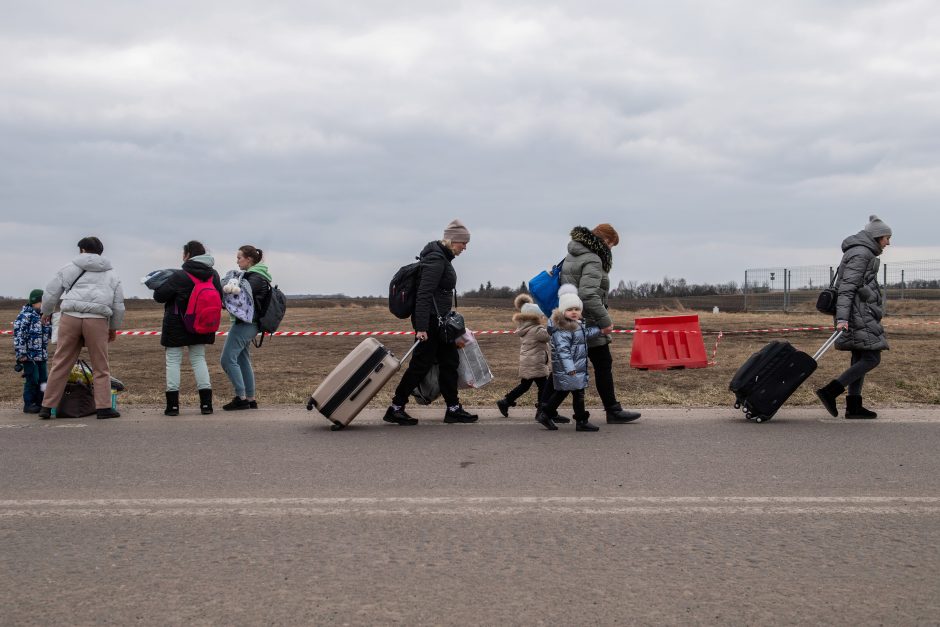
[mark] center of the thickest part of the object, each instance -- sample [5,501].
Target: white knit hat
[568,298]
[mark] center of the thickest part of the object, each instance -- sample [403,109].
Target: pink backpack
[204,311]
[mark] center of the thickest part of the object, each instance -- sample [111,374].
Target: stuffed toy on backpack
[236,296]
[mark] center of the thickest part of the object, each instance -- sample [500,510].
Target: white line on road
[471,506]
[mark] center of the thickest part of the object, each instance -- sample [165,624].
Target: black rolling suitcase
[771,375]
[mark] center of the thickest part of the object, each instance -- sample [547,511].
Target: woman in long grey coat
[859,310]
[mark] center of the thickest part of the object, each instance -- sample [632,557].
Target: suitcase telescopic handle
[408,354]
[827,345]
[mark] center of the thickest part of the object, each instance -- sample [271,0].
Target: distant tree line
[667,288]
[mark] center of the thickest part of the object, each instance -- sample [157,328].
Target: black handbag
[827,299]
[450,326]
[79,398]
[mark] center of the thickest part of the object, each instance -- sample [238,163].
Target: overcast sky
[340,137]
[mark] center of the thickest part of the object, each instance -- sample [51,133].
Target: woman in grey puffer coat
[859,309]
[92,306]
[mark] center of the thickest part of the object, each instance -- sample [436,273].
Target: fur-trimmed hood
[560,322]
[520,300]
[524,319]
[583,235]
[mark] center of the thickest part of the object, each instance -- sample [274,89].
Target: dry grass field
[288,368]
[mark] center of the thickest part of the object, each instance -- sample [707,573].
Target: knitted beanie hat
[568,298]
[876,228]
[35,296]
[607,233]
[531,309]
[457,232]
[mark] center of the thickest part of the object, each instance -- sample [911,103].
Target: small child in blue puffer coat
[569,360]
[31,346]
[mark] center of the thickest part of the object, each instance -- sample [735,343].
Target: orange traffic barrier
[668,342]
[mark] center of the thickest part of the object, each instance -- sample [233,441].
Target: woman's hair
[91,245]
[194,249]
[449,244]
[255,254]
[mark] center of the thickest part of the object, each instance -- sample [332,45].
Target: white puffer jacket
[96,293]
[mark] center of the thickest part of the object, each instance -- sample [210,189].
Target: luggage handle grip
[359,389]
[827,345]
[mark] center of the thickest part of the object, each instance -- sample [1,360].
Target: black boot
[45,413]
[399,417]
[545,420]
[459,415]
[617,415]
[237,403]
[107,412]
[828,395]
[205,401]
[854,409]
[504,404]
[581,423]
[172,404]
[554,416]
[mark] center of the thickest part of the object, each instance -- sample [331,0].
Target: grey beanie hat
[532,309]
[876,228]
[457,232]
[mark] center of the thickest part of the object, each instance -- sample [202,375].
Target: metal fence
[910,287]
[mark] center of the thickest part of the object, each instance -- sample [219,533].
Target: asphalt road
[268,517]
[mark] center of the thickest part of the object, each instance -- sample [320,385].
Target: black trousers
[603,364]
[429,352]
[863,362]
[558,396]
[524,386]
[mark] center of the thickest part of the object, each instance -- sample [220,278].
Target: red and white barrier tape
[501,332]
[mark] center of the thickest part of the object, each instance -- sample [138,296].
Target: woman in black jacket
[174,293]
[436,288]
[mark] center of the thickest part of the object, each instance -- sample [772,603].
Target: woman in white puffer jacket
[91,300]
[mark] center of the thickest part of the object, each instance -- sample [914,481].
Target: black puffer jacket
[437,285]
[260,290]
[175,296]
[860,300]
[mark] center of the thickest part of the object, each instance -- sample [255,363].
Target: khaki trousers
[74,334]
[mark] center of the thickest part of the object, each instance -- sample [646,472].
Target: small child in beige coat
[535,358]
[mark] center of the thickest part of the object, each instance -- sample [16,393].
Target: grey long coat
[860,300]
[569,351]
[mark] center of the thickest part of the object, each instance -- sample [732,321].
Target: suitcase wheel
[737,405]
[310,404]
[336,426]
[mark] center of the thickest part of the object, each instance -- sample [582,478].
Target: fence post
[745,291]
[902,285]
[884,288]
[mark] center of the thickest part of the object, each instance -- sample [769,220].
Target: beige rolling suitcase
[355,381]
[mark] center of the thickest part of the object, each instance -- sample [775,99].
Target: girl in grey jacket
[569,337]
[859,310]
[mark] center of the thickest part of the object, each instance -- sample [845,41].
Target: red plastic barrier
[668,342]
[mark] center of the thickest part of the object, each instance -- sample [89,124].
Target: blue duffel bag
[544,288]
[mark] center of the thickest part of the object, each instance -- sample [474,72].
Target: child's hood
[560,322]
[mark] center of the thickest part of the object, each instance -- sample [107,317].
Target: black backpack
[403,290]
[270,318]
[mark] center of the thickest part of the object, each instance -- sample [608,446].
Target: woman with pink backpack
[192,311]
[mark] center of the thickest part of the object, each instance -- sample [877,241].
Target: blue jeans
[236,361]
[34,375]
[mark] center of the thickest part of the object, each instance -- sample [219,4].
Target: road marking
[471,506]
